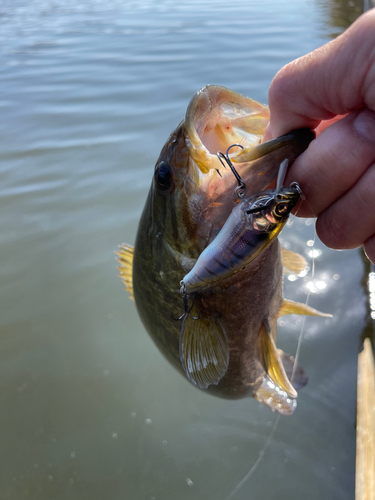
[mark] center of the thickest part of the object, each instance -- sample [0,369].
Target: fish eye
[281,209]
[163,175]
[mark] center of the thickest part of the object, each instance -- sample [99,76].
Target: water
[90,90]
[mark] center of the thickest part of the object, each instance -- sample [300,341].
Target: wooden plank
[365,461]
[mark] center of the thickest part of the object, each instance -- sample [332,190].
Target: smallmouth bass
[232,341]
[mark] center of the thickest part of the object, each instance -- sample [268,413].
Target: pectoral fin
[293,262]
[204,351]
[125,258]
[270,359]
[291,307]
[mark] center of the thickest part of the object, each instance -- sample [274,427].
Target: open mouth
[218,118]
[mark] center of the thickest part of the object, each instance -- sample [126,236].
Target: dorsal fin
[125,258]
[204,351]
[293,262]
[291,307]
[271,362]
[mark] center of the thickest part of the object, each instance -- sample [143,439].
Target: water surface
[90,90]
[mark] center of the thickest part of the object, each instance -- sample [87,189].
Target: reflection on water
[89,409]
[368,285]
[340,14]
[371,289]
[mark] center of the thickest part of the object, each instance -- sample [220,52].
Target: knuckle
[333,231]
[280,85]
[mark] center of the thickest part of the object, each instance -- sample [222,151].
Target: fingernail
[364,125]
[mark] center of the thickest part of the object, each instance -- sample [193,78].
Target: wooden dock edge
[365,459]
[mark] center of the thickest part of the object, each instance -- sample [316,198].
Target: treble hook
[187,310]
[240,190]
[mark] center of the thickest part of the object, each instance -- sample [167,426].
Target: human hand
[337,171]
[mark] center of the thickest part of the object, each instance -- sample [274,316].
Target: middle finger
[334,161]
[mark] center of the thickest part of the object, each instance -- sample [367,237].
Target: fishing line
[298,349]
[303,198]
[299,343]
[257,462]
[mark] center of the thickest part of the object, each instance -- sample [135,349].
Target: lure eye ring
[281,209]
[163,176]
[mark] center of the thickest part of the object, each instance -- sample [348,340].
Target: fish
[230,330]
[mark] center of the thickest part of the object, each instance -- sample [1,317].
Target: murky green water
[90,90]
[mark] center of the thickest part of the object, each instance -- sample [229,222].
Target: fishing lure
[253,224]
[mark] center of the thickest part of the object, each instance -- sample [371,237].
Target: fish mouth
[217,118]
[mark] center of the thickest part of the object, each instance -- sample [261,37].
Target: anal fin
[204,351]
[125,258]
[291,307]
[271,362]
